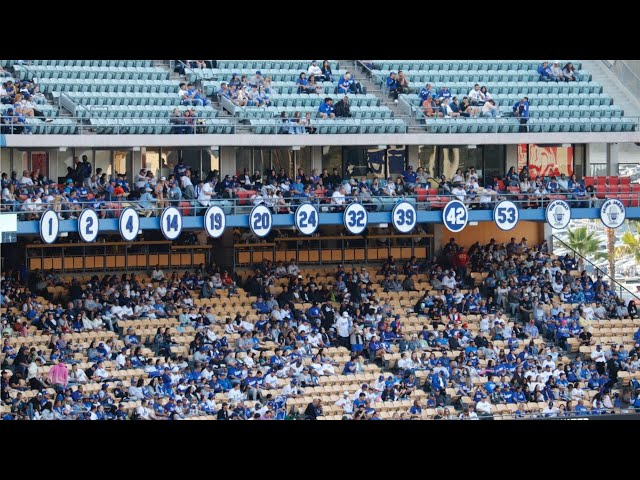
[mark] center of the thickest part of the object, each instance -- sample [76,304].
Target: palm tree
[583,243]
[586,246]
[631,245]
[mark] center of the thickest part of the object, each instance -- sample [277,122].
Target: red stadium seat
[185,208]
[600,180]
[612,180]
[589,181]
[625,180]
[244,196]
[422,194]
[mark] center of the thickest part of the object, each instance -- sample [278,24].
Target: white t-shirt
[337,198]
[314,70]
[185,181]
[474,94]
[205,192]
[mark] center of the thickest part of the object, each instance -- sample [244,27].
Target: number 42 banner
[455,216]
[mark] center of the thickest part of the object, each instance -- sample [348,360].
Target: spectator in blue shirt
[544,72]
[521,110]
[326,108]
[409,177]
[424,93]
[392,85]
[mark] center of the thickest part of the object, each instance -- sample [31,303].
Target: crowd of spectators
[555,73]
[529,309]
[24,100]
[32,193]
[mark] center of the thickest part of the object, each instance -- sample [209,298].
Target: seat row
[81,63]
[280,87]
[129,111]
[522,88]
[329,126]
[156,126]
[98,85]
[270,112]
[267,64]
[105,73]
[277,75]
[417,78]
[571,99]
[463,65]
[535,125]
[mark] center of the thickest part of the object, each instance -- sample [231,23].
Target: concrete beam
[247,140]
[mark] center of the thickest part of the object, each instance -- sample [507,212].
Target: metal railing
[137,123]
[598,270]
[249,198]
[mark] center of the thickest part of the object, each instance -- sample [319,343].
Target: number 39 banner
[455,216]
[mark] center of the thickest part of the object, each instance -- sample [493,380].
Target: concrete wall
[111,141]
[628,72]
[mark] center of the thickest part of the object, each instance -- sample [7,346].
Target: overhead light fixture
[62,149]
[566,145]
[472,146]
[296,147]
[136,149]
[382,147]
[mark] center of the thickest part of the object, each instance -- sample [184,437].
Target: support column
[227,160]
[412,156]
[548,236]
[613,151]
[136,160]
[316,159]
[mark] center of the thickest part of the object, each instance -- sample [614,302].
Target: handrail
[140,124]
[242,204]
[597,269]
